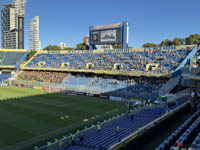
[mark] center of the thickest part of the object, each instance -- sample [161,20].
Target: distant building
[12,16]
[9,27]
[62,45]
[34,41]
[86,39]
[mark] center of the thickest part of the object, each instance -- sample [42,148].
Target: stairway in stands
[167,87]
[188,58]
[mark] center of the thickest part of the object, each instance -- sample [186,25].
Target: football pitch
[28,114]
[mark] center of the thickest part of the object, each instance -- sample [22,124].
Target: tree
[117,46]
[94,47]
[30,54]
[52,47]
[166,42]
[149,45]
[68,48]
[178,41]
[193,39]
[82,46]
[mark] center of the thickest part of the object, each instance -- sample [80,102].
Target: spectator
[132,116]
[117,129]
[193,100]
[73,139]
[99,127]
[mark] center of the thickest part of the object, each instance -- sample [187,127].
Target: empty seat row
[4,77]
[187,137]
[171,140]
[10,58]
[108,136]
[196,142]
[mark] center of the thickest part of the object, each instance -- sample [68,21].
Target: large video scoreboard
[109,34]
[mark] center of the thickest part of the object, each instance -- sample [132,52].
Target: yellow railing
[13,50]
[8,67]
[29,60]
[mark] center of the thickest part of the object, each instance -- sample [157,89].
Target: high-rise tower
[34,34]
[12,16]
[20,11]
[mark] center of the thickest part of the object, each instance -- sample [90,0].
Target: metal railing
[166,88]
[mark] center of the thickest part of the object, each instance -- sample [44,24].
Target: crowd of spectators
[126,87]
[141,87]
[46,77]
[146,82]
[167,60]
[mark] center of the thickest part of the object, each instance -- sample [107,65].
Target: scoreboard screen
[106,35]
[109,34]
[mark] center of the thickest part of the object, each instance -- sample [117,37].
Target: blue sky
[150,20]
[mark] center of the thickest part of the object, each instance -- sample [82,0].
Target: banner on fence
[88,94]
[29,86]
[37,88]
[59,90]
[56,90]
[101,96]
[115,98]
[19,85]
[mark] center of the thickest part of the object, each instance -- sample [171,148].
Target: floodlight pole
[125,35]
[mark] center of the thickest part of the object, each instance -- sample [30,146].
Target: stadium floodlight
[20,7]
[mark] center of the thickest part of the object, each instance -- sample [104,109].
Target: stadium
[104,94]
[60,100]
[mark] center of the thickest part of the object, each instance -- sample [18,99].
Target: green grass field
[27,114]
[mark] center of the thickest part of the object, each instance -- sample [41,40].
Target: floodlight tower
[20,12]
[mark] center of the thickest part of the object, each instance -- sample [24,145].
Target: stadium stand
[107,137]
[146,88]
[9,57]
[134,87]
[47,77]
[156,61]
[4,77]
[147,60]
